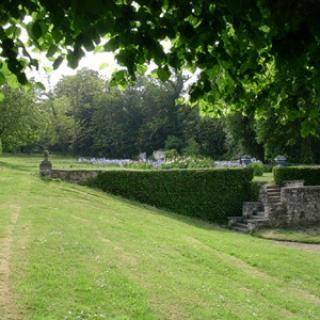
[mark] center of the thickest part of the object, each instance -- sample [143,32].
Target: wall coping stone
[301,188]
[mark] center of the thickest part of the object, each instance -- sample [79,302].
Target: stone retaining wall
[302,205]
[75,176]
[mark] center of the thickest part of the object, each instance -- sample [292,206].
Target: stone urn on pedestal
[45,165]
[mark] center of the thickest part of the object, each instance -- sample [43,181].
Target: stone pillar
[45,165]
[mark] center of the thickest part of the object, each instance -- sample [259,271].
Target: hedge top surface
[245,169]
[309,174]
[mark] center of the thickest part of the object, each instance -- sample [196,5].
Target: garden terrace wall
[75,176]
[212,194]
[302,205]
[309,174]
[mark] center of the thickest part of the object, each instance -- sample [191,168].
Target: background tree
[22,120]
[81,91]
[89,117]
[61,127]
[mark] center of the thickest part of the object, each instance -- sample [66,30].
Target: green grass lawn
[267,177]
[76,253]
[59,162]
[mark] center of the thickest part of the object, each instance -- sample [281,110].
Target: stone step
[273,187]
[240,229]
[242,224]
[276,204]
[234,220]
[279,211]
[274,201]
[274,196]
[273,193]
[252,220]
[257,216]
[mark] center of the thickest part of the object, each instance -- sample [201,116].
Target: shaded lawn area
[78,253]
[302,234]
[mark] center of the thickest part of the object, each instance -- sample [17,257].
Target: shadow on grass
[97,193]
[300,234]
[14,166]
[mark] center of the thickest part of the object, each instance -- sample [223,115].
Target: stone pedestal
[45,166]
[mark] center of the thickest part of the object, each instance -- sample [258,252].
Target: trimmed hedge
[209,194]
[310,174]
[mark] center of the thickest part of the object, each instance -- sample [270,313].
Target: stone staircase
[257,214]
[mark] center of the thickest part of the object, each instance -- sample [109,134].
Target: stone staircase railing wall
[291,205]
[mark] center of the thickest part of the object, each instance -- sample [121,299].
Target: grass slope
[77,253]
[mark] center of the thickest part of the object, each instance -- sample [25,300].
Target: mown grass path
[75,253]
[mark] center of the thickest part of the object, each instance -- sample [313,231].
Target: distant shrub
[255,190]
[171,154]
[267,168]
[192,148]
[188,163]
[258,168]
[138,165]
[173,142]
[212,194]
[310,174]
[0,147]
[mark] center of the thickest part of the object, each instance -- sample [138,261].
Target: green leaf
[87,43]
[2,96]
[112,44]
[74,57]
[142,69]
[57,35]
[119,78]
[47,69]
[57,62]
[163,73]
[52,50]
[265,29]
[22,78]
[99,49]
[36,30]
[40,86]
[103,66]
[2,79]
[72,61]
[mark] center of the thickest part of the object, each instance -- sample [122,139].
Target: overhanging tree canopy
[252,54]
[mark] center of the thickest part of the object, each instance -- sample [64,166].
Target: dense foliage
[84,115]
[258,168]
[212,194]
[188,163]
[90,118]
[309,174]
[256,55]
[21,119]
[265,138]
